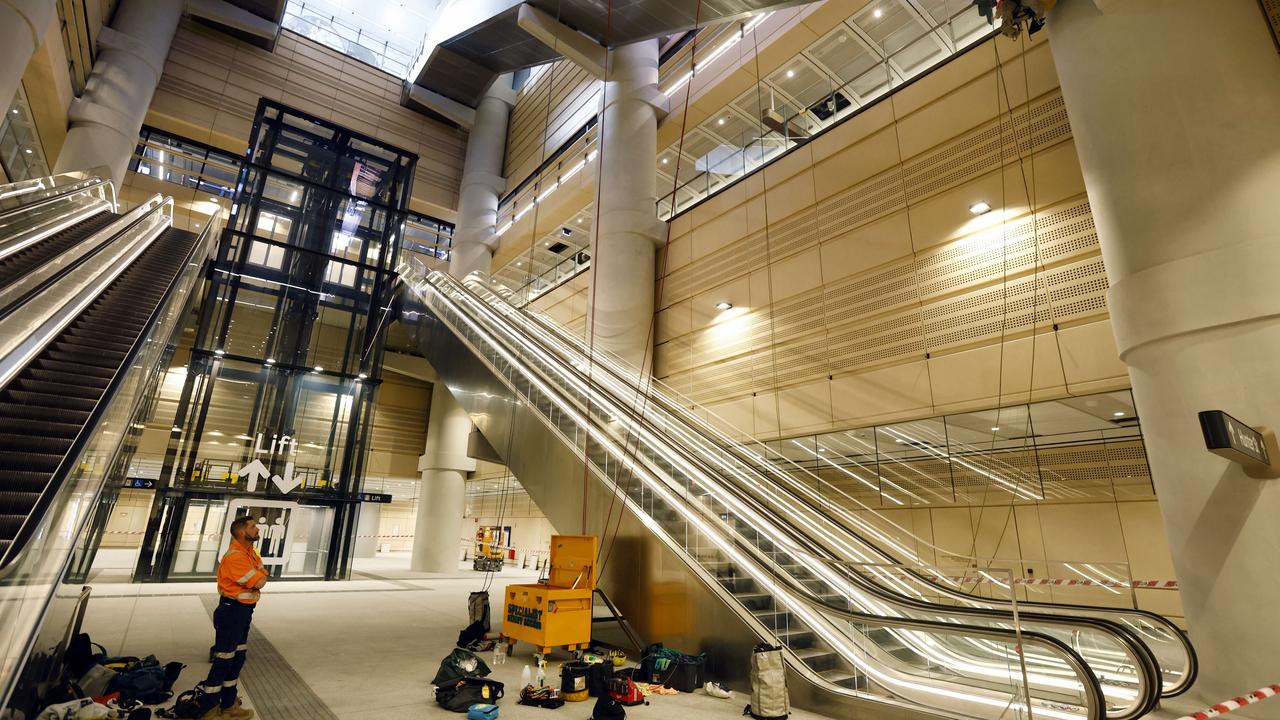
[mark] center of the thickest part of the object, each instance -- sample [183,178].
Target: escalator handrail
[1145,661]
[1077,663]
[63,193]
[1045,609]
[86,433]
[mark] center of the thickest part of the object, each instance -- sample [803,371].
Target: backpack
[457,665]
[608,709]
[82,654]
[478,609]
[471,634]
[145,683]
[598,677]
[468,691]
[768,684]
[623,689]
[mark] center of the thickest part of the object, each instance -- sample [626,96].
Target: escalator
[91,307]
[847,637]
[800,498]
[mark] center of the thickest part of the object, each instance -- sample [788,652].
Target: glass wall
[277,398]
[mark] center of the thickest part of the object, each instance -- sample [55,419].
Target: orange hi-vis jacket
[241,573]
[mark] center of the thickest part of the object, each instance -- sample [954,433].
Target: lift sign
[526,616]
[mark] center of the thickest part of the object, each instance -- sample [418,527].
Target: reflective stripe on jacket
[241,573]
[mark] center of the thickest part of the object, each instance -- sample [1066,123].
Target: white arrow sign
[287,483]
[255,471]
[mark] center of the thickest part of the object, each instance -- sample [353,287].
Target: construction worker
[241,576]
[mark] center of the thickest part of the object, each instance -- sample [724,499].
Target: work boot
[237,712]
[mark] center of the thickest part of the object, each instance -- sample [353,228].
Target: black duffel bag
[466,692]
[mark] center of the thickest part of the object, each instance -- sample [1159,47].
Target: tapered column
[1175,109]
[106,119]
[442,498]
[482,182]
[22,25]
[620,311]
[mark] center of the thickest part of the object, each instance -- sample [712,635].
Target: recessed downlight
[995,429]
[219,352]
[724,305]
[271,361]
[1118,413]
[982,207]
[362,376]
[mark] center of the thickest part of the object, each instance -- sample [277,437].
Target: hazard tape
[1062,582]
[1223,708]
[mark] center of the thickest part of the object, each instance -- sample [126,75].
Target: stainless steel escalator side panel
[662,597]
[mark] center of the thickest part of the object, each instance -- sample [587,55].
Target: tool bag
[623,689]
[573,680]
[608,709]
[543,697]
[598,677]
[687,672]
[478,609]
[482,711]
[769,699]
[462,694]
[457,665]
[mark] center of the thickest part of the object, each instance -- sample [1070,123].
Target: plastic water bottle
[525,674]
[498,654]
[542,671]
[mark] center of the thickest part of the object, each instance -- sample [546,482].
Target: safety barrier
[1063,582]
[1223,708]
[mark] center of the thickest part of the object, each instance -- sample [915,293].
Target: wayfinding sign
[1238,442]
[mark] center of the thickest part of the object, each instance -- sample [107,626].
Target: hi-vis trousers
[231,631]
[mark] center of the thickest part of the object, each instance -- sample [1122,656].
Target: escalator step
[45,407]
[20,263]
[23,425]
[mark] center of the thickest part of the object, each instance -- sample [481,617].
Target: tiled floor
[362,649]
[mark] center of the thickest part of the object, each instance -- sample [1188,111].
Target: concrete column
[623,270]
[1174,107]
[105,120]
[444,466]
[482,182]
[22,25]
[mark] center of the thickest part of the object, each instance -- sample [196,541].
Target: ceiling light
[319,369]
[219,352]
[982,207]
[664,162]
[271,361]
[1118,413]
[29,149]
[791,73]
[362,376]
[718,122]
[723,305]
[15,111]
[176,429]
[995,429]
[878,12]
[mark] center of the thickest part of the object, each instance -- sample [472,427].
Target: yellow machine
[556,613]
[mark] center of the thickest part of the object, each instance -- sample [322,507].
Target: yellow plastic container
[557,613]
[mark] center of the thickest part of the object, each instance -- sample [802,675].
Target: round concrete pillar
[482,183]
[22,25]
[1174,107]
[620,311]
[106,119]
[442,498]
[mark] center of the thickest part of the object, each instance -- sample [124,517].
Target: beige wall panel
[937,83]
[805,406]
[894,391]
[964,378]
[1032,370]
[789,197]
[760,296]
[796,274]
[679,252]
[1055,175]
[1089,354]
[722,230]
[854,163]
[1082,532]
[951,115]
[867,247]
[798,161]
[674,321]
[722,324]
[870,122]
[766,415]
[735,417]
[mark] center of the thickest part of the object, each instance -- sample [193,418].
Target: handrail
[1128,643]
[89,428]
[1096,708]
[1047,612]
[62,193]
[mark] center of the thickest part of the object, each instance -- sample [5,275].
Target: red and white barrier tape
[1223,708]
[1062,582]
